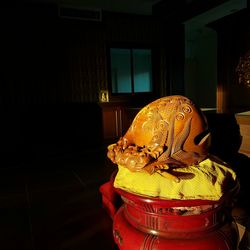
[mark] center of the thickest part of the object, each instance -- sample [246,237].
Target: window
[131,70]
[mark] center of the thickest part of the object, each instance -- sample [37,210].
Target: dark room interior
[63,103]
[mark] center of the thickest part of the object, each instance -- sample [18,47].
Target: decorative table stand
[146,223]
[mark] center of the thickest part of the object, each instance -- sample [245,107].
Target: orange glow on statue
[168,133]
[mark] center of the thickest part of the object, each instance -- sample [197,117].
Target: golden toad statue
[168,133]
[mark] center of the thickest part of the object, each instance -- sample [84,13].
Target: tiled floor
[55,204]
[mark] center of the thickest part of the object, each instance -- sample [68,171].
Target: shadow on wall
[49,130]
[225,135]
[225,143]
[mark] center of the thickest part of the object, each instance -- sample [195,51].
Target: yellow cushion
[209,181]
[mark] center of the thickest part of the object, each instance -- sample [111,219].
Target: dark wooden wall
[51,59]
